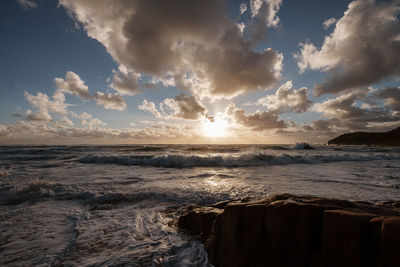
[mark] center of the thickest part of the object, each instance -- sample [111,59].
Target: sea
[118,205]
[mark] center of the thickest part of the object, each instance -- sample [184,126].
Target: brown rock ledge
[288,230]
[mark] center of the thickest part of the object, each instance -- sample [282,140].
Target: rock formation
[287,230]
[391,138]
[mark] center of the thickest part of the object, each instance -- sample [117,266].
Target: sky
[210,71]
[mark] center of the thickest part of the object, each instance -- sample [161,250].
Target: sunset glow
[143,72]
[216,128]
[122,122]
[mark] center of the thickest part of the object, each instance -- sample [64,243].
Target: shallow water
[115,205]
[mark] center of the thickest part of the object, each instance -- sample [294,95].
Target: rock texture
[391,138]
[288,230]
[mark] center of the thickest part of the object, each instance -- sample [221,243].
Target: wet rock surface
[288,230]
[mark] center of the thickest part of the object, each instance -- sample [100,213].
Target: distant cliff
[391,138]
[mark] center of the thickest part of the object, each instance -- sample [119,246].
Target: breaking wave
[243,160]
[42,191]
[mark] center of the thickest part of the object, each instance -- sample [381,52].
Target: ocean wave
[30,158]
[243,160]
[38,190]
[214,149]
[148,148]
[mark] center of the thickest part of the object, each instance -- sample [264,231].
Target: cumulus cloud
[45,107]
[125,82]
[285,97]
[391,95]
[243,8]
[363,49]
[258,121]
[192,43]
[64,122]
[264,14]
[27,4]
[355,109]
[329,22]
[185,107]
[44,104]
[110,101]
[319,125]
[72,84]
[150,107]
[180,107]
[41,115]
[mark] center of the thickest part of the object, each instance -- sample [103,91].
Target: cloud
[264,14]
[41,115]
[355,109]
[27,4]
[363,49]
[329,22]
[285,97]
[185,107]
[110,101]
[72,84]
[319,125]
[258,121]
[28,132]
[391,95]
[44,105]
[93,123]
[192,43]
[125,82]
[266,10]
[82,116]
[64,122]
[150,107]
[243,8]
[57,105]
[180,107]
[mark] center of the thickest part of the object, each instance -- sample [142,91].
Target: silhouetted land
[391,138]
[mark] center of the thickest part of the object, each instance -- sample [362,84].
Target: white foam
[242,160]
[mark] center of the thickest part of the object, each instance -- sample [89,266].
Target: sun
[216,128]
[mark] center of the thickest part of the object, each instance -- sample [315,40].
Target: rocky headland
[391,138]
[287,230]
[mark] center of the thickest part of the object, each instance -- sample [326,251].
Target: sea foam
[242,160]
